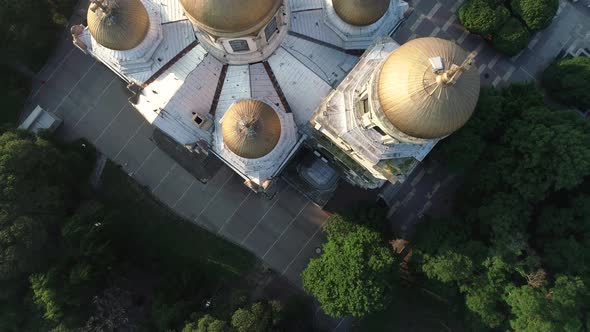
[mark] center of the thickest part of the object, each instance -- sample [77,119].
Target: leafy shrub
[568,82]
[482,17]
[511,38]
[537,14]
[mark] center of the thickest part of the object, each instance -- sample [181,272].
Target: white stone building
[242,79]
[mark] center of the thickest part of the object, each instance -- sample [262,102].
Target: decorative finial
[102,4]
[450,77]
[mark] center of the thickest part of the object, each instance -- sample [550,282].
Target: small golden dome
[251,129]
[421,102]
[360,12]
[118,24]
[230,18]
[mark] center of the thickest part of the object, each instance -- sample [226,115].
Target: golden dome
[251,129]
[118,24]
[230,18]
[360,12]
[420,102]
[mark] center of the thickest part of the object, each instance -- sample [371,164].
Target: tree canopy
[356,273]
[483,17]
[568,80]
[516,244]
[511,38]
[537,14]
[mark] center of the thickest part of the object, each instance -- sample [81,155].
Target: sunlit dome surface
[230,18]
[118,24]
[251,129]
[415,99]
[360,12]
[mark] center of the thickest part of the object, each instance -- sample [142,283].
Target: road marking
[462,37]
[496,81]
[481,68]
[408,197]
[417,23]
[425,208]
[214,196]
[433,11]
[92,107]
[164,177]
[435,32]
[508,73]
[233,214]
[494,61]
[418,177]
[110,123]
[337,326]
[534,42]
[393,209]
[53,72]
[449,22]
[130,138]
[526,72]
[143,162]
[184,193]
[285,230]
[260,220]
[74,87]
[304,246]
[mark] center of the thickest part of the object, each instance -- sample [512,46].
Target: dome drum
[118,24]
[251,129]
[359,22]
[231,18]
[360,12]
[115,34]
[250,35]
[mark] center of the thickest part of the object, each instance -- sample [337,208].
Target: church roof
[419,101]
[230,18]
[118,24]
[360,12]
[251,129]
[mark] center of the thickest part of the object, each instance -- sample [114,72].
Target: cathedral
[252,81]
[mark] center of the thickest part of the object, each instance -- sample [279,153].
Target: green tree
[568,80]
[355,275]
[563,236]
[560,308]
[448,266]
[24,245]
[46,296]
[259,317]
[36,177]
[537,14]
[482,17]
[511,38]
[545,151]
[206,323]
[504,217]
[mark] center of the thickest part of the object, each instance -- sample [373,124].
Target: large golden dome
[360,12]
[230,18]
[251,129]
[420,102]
[118,24]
